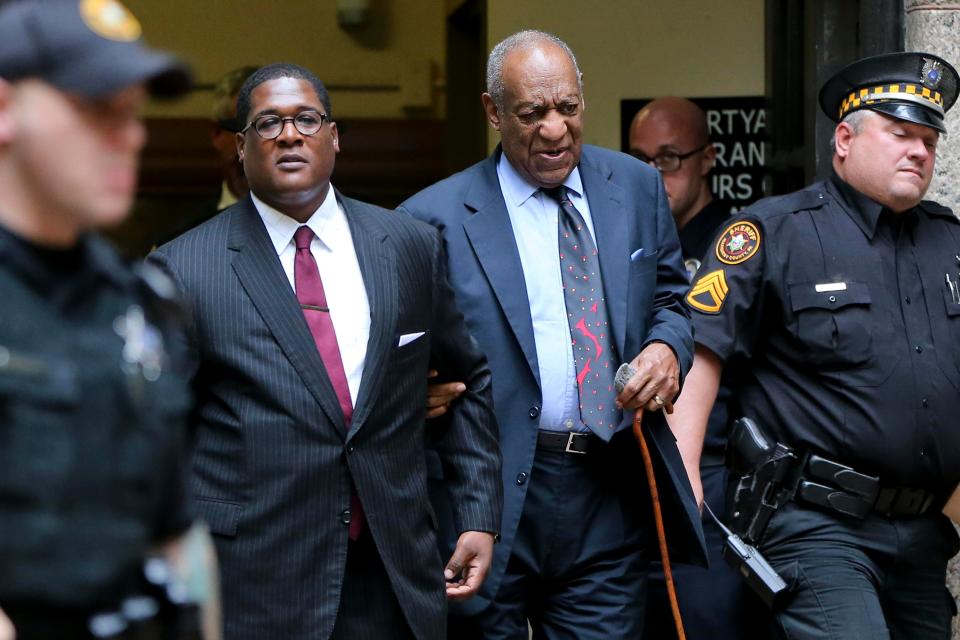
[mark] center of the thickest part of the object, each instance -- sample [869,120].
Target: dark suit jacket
[645,296]
[272,469]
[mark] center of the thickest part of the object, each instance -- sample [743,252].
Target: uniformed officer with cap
[92,409]
[838,307]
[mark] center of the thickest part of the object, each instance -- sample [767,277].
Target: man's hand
[6,628]
[468,565]
[440,395]
[193,561]
[656,381]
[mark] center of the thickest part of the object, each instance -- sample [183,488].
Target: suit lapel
[611,227]
[258,268]
[377,261]
[491,236]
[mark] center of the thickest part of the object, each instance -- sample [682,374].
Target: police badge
[930,74]
[110,19]
[143,350]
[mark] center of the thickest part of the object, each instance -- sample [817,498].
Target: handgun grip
[747,446]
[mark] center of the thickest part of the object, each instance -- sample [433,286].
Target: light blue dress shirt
[533,216]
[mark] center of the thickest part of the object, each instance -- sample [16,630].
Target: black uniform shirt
[91,447]
[696,238]
[841,324]
[58,275]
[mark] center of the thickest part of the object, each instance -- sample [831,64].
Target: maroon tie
[313,301]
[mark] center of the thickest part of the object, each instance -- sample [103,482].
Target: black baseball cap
[913,86]
[92,48]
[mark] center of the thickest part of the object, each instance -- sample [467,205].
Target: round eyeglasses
[666,162]
[269,126]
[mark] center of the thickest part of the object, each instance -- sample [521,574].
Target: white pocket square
[407,338]
[636,255]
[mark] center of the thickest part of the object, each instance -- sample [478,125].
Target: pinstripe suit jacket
[644,291]
[272,468]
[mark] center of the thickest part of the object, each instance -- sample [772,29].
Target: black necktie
[587,316]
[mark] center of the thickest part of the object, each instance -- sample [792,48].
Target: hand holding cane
[624,373]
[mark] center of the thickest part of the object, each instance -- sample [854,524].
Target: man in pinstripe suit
[315,319]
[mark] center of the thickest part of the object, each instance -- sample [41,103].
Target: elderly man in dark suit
[315,319]
[551,243]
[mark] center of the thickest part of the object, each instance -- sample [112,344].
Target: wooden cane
[658,519]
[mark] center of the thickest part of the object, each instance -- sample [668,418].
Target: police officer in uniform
[839,308]
[92,409]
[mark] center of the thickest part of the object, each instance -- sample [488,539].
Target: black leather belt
[569,442]
[837,487]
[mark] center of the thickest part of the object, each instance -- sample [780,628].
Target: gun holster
[767,476]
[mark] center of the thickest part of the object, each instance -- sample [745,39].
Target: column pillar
[932,26]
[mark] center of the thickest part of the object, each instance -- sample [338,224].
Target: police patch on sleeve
[709,292]
[738,243]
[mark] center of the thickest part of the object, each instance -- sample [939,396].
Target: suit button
[345,516]
[534,412]
[350,449]
[521,478]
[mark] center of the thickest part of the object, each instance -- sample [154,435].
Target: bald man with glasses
[671,135]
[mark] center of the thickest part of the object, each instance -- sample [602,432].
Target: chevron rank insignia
[708,294]
[738,243]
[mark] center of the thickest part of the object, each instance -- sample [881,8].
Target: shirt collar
[516,189]
[704,226]
[281,227]
[864,211]
[91,253]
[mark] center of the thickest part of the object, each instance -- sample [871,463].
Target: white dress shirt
[534,218]
[343,286]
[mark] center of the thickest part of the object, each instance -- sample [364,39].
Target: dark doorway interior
[466,140]
[807,41]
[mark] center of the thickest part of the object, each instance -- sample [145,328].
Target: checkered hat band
[905,92]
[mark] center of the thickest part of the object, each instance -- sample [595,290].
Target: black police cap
[912,86]
[89,47]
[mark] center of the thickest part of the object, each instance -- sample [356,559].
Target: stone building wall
[933,26]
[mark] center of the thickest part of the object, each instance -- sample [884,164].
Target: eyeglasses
[667,162]
[269,126]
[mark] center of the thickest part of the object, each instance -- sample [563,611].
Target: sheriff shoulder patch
[738,243]
[709,292]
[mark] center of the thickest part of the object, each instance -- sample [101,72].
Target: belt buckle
[568,449]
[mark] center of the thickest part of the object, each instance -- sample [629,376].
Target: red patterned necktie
[313,302]
[587,316]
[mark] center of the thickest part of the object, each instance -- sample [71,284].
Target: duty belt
[856,494]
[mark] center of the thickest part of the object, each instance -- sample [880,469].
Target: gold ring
[658,399]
